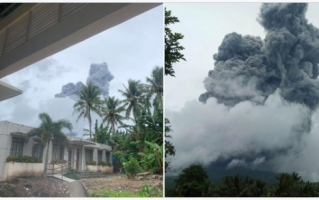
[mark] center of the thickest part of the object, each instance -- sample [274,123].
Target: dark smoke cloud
[248,68]
[261,99]
[99,75]
[70,90]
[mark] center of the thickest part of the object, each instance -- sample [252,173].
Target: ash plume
[260,105]
[70,90]
[247,68]
[99,75]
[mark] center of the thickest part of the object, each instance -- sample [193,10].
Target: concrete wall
[13,170]
[6,128]
[105,169]
[102,169]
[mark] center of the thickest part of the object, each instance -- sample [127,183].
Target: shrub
[72,173]
[90,163]
[132,167]
[103,163]
[150,191]
[58,161]
[70,170]
[24,159]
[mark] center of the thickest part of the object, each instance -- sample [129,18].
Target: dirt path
[76,189]
[119,183]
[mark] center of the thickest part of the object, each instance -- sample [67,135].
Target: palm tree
[89,100]
[155,85]
[134,95]
[49,130]
[287,185]
[112,110]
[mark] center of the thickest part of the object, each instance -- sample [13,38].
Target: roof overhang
[23,41]
[19,134]
[7,91]
[80,142]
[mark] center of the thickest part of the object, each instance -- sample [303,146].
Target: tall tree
[155,84]
[111,112]
[192,182]
[89,100]
[134,95]
[49,130]
[172,47]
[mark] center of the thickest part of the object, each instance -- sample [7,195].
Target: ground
[120,183]
[34,187]
[53,187]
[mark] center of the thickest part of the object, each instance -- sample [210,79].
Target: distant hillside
[216,173]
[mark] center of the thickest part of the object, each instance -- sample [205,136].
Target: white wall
[13,170]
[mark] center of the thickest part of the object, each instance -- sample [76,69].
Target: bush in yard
[150,191]
[72,173]
[103,163]
[132,167]
[23,159]
[90,163]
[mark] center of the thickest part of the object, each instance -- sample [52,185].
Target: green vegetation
[72,173]
[194,182]
[172,55]
[146,191]
[172,47]
[142,137]
[23,159]
[112,110]
[90,162]
[132,167]
[103,163]
[49,130]
[169,148]
[152,157]
[89,100]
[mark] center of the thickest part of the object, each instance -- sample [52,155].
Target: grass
[146,191]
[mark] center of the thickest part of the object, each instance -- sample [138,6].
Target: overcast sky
[131,50]
[204,133]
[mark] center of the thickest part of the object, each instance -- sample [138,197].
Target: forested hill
[216,173]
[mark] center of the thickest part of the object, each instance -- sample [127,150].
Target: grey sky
[207,132]
[131,50]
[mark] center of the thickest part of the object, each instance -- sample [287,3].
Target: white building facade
[14,142]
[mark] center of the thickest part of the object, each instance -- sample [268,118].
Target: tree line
[193,182]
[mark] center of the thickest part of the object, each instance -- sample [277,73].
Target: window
[58,152]
[16,146]
[107,156]
[88,155]
[37,150]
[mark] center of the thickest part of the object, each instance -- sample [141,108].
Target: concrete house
[14,142]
